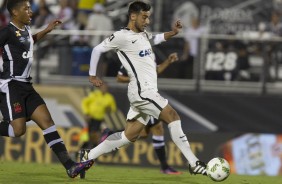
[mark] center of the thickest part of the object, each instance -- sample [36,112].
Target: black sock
[55,142]
[4,128]
[159,146]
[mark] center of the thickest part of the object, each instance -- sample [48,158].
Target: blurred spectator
[66,15]
[64,49]
[34,6]
[273,49]
[185,12]
[80,24]
[95,106]
[44,17]
[274,26]
[190,50]
[86,6]
[99,21]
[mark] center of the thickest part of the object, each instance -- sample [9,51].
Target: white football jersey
[136,55]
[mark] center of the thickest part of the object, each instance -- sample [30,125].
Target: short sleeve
[115,41]
[3,36]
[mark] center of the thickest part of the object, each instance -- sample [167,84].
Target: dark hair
[12,4]
[138,6]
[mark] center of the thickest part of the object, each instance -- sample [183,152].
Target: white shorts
[148,103]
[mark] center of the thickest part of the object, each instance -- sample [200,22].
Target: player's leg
[117,140]
[37,111]
[157,131]
[169,115]
[134,125]
[15,128]
[13,111]
[159,108]
[43,119]
[94,132]
[145,132]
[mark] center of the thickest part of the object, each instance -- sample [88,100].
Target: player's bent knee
[131,137]
[19,132]
[169,115]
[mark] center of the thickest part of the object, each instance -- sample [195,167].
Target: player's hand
[172,57]
[95,81]
[52,25]
[177,27]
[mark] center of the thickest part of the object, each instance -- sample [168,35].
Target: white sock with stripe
[180,139]
[112,143]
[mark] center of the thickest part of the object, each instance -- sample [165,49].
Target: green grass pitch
[29,173]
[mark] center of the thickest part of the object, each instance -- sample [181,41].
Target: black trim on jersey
[125,28]
[147,35]
[138,83]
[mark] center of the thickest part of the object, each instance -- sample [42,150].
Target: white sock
[11,131]
[112,143]
[180,139]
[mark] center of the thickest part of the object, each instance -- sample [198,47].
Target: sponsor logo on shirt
[27,55]
[145,52]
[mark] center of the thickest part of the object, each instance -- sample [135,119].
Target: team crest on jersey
[18,33]
[17,107]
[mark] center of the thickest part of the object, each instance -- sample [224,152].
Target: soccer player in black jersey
[19,101]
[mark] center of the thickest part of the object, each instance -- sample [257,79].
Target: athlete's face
[142,20]
[23,13]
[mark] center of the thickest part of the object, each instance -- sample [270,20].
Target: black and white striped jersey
[17,53]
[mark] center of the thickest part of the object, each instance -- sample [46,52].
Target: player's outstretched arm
[175,30]
[171,59]
[122,78]
[52,25]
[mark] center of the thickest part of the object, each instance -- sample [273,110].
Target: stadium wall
[247,153]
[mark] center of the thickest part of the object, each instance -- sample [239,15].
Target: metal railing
[264,85]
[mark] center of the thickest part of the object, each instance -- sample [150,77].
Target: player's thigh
[145,132]
[42,117]
[19,126]
[133,129]
[169,115]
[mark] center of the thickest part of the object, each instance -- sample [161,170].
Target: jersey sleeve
[113,42]
[3,36]
[157,39]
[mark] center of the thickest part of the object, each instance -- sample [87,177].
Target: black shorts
[19,100]
[94,125]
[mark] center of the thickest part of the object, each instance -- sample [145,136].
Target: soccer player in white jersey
[134,49]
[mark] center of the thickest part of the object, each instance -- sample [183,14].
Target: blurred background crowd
[231,41]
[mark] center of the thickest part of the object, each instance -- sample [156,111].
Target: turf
[29,173]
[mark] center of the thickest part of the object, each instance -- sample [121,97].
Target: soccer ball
[218,169]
